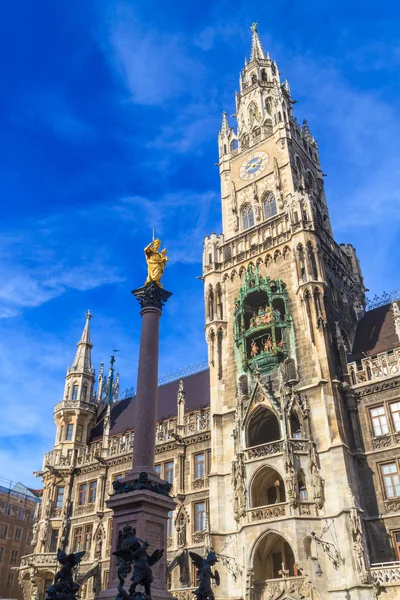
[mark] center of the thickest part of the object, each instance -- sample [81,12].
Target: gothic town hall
[284,455]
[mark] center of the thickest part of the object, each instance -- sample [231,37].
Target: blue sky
[109,116]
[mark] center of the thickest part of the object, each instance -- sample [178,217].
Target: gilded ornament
[156,262]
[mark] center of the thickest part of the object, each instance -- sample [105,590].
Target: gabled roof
[375,333]
[197,395]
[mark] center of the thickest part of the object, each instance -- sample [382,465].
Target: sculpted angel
[156,262]
[204,575]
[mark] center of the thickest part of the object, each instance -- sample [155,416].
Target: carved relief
[239,486]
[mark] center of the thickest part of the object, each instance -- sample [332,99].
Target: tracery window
[270,206]
[247,217]
[395,410]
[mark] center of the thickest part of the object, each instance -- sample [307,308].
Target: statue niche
[262,322]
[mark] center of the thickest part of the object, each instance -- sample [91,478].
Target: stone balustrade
[34,560]
[118,445]
[272,589]
[385,364]
[386,573]
[298,446]
[75,404]
[263,513]
[264,450]
[184,593]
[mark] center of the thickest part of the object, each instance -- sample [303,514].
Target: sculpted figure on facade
[239,486]
[290,474]
[315,478]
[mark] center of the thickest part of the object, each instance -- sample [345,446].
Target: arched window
[270,206]
[267,488]
[301,487]
[210,303]
[264,76]
[307,302]
[247,217]
[263,428]
[220,311]
[245,141]
[212,348]
[253,79]
[219,351]
[312,261]
[279,117]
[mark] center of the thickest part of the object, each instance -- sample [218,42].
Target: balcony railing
[386,573]
[270,448]
[384,365]
[263,513]
[118,445]
[276,588]
[33,560]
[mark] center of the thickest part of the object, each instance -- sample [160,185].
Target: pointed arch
[270,209]
[218,295]
[266,487]
[262,427]
[210,303]
[247,217]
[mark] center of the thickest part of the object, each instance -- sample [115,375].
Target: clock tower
[282,301]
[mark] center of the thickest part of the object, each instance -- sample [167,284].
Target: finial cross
[254,27]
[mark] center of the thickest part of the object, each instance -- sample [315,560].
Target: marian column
[141,502]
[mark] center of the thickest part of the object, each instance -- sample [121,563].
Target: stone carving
[297,587]
[389,574]
[392,505]
[98,543]
[357,537]
[181,528]
[151,295]
[268,512]
[64,586]
[264,450]
[204,575]
[239,486]
[315,478]
[290,474]
[142,483]
[65,522]
[132,550]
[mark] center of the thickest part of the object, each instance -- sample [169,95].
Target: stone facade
[272,453]
[18,507]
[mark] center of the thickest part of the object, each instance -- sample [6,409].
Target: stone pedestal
[148,513]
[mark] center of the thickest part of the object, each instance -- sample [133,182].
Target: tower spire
[83,357]
[257,51]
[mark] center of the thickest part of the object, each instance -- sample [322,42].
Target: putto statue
[156,262]
[131,549]
[204,574]
[64,586]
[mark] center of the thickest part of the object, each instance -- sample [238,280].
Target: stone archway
[273,557]
[267,487]
[263,427]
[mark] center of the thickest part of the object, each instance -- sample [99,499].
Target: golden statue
[156,262]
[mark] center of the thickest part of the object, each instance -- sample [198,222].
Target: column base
[147,512]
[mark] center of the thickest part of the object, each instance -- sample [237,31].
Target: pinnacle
[225,124]
[257,51]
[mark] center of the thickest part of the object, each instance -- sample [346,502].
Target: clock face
[253,165]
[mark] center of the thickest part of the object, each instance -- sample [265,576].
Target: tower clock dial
[254,165]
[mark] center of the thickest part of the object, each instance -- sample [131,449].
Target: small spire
[83,360]
[257,51]
[225,124]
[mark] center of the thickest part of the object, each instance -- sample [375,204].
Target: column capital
[151,296]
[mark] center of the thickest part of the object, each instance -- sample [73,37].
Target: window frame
[167,471]
[396,543]
[92,491]
[393,420]
[77,534]
[54,538]
[14,556]
[248,213]
[378,418]
[59,502]
[195,464]
[69,432]
[390,475]
[18,530]
[196,513]
[82,493]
